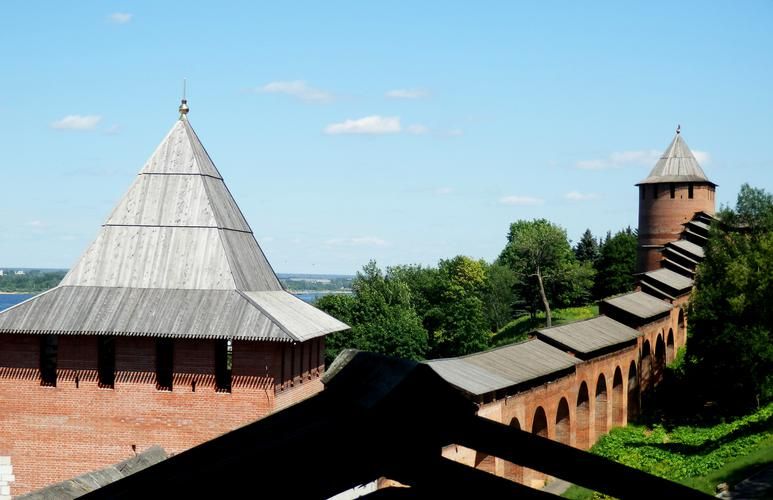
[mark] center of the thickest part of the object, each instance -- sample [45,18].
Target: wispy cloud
[647,157]
[578,196]
[702,157]
[417,129]
[113,129]
[371,241]
[36,223]
[407,94]
[621,159]
[456,132]
[444,190]
[521,200]
[77,122]
[298,89]
[368,125]
[120,17]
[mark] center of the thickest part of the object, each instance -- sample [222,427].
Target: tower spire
[183,109]
[678,128]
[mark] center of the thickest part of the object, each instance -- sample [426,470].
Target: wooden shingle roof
[175,258]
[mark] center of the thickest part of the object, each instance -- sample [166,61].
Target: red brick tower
[674,191]
[170,330]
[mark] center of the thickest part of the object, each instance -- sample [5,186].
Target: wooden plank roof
[640,304]
[677,164]
[175,258]
[503,367]
[589,335]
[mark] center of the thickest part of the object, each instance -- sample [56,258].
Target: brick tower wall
[661,216]
[56,433]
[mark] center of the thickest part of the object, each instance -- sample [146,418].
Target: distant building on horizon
[172,328]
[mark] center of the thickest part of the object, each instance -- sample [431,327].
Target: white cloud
[702,157]
[371,241]
[444,190]
[457,132]
[369,125]
[298,89]
[121,17]
[113,129]
[407,94]
[521,200]
[36,223]
[77,122]
[621,159]
[577,196]
[417,129]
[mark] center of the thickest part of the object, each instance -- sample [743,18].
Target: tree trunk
[549,319]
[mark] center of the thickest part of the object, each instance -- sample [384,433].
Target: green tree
[587,249]
[381,317]
[464,328]
[499,295]
[731,311]
[539,253]
[616,264]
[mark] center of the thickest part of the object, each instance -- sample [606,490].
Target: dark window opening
[654,191]
[282,368]
[223,365]
[49,345]
[673,191]
[106,361]
[689,191]
[164,359]
[642,191]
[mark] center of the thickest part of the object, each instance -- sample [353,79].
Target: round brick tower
[674,191]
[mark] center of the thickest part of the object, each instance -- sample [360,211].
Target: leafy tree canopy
[539,253]
[381,315]
[616,264]
[731,311]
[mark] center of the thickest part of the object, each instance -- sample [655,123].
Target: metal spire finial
[184,103]
[678,128]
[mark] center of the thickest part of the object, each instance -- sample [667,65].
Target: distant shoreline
[20,293]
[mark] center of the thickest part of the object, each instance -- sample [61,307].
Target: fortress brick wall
[55,433]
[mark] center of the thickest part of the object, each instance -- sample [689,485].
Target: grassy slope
[697,456]
[520,327]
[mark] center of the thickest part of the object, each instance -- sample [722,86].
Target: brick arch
[539,424]
[670,346]
[600,416]
[633,392]
[660,356]
[582,414]
[514,472]
[485,462]
[682,327]
[617,398]
[563,422]
[646,363]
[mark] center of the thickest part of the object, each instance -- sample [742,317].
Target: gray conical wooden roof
[677,164]
[175,258]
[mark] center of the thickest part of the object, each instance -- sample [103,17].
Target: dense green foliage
[464,305]
[32,281]
[616,264]
[687,453]
[587,249]
[380,314]
[731,312]
[546,268]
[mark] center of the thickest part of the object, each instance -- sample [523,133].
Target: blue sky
[401,131]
